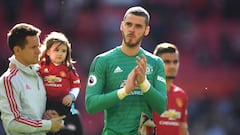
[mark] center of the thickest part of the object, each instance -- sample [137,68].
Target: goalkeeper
[127,80]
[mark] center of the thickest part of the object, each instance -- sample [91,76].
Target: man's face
[133,30]
[171,64]
[30,53]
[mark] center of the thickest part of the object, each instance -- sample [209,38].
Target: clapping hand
[141,69]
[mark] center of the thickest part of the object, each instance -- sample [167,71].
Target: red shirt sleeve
[75,79]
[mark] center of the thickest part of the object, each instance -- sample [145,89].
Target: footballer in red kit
[168,123]
[174,120]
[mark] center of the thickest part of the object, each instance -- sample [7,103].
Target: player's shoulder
[148,54]
[10,74]
[107,54]
[104,58]
[178,89]
[178,92]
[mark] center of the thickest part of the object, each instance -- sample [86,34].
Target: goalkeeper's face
[133,30]
[171,64]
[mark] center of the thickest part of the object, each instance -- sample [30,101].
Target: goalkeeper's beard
[170,77]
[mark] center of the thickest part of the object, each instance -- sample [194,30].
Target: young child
[61,80]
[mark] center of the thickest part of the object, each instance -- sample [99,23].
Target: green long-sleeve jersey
[108,73]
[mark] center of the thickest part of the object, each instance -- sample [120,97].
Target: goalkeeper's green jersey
[108,73]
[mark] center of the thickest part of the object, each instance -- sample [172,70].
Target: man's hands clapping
[137,75]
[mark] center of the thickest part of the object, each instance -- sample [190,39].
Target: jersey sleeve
[96,100]
[75,79]
[75,83]
[185,108]
[157,94]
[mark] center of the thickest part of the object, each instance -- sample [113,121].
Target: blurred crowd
[206,32]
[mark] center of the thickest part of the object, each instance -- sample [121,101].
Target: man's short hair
[17,35]
[165,48]
[138,11]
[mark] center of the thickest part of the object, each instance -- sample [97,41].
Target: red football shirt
[58,80]
[168,123]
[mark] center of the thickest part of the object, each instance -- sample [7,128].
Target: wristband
[145,86]
[72,96]
[122,93]
[73,109]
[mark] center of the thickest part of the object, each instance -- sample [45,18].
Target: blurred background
[207,33]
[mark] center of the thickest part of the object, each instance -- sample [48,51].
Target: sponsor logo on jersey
[92,80]
[117,70]
[53,85]
[171,114]
[136,93]
[169,123]
[137,90]
[52,79]
[159,78]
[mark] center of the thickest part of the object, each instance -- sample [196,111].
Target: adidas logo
[118,70]
[27,87]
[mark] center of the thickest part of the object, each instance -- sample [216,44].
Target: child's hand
[67,100]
